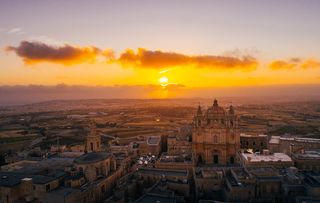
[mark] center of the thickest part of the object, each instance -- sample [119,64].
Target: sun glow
[163,81]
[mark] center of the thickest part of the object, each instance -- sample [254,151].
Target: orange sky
[160,43]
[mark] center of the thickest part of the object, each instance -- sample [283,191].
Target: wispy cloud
[15,31]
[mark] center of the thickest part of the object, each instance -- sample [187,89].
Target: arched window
[91,146]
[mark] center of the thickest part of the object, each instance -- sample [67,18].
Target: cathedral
[215,136]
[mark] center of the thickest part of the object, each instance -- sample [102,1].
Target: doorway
[215,159]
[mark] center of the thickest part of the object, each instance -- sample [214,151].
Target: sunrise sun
[163,81]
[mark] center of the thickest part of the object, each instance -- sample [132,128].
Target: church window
[91,146]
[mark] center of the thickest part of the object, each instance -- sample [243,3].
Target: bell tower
[93,141]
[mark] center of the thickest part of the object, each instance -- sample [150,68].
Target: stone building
[255,142]
[177,162]
[95,164]
[209,182]
[277,160]
[239,185]
[178,145]
[307,160]
[151,145]
[289,145]
[215,136]
[153,185]
[93,142]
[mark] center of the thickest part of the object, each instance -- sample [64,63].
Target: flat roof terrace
[276,157]
[153,140]
[313,155]
[180,173]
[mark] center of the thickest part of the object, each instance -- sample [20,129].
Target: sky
[169,44]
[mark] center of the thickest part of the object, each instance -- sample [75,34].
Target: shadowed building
[215,136]
[93,142]
[255,142]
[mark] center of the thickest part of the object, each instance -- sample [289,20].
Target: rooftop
[274,140]
[276,157]
[248,135]
[162,171]
[10,179]
[153,140]
[209,172]
[175,158]
[150,198]
[315,155]
[33,167]
[92,157]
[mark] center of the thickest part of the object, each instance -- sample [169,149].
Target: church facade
[215,136]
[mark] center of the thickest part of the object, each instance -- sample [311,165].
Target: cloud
[294,63]
[282,65]
[36,52]
[144,58]
[53,51]
[253,51]
[310,63]
[15,31]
